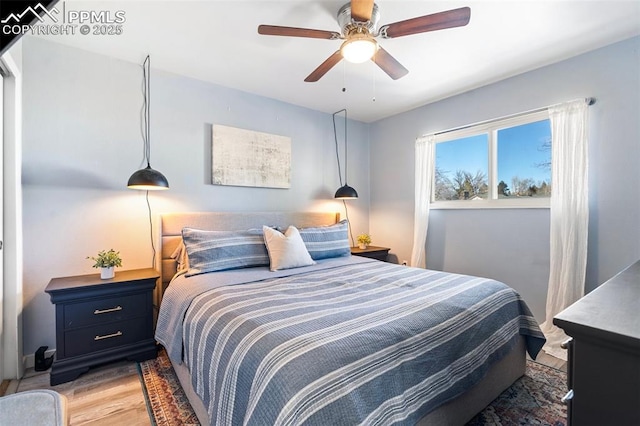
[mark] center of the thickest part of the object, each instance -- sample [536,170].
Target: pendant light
[147,179]
[345,192]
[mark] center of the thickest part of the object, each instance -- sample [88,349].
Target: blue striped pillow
[211,251]
[323,242]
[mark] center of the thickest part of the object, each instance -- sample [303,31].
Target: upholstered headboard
[172,224]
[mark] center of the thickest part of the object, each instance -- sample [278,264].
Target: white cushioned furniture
[34,408]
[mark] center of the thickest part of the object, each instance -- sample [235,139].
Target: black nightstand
[373,252]
[100,321]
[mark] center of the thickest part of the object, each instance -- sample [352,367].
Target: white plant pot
[363,246]
[107,273]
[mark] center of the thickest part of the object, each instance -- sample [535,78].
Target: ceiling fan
[358,21]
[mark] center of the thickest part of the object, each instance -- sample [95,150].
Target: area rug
[167,403]
[534,399]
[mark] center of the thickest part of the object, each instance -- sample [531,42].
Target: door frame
[11,278]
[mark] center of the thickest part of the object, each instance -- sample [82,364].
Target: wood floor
[107,395]
[551,361]
[112,394]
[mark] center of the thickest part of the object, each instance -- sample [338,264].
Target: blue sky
[469,154]
[519,151]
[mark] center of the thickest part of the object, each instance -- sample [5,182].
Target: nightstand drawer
[106,336]
[99,311]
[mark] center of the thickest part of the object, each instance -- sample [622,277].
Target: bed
[340,340]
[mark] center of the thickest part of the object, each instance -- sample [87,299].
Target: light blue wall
[82,142]
[513,245]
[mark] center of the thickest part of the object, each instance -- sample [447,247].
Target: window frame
[492,202]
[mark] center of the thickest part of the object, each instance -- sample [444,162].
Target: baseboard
[29,361]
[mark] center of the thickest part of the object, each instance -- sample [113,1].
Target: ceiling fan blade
[389,64]
[324,67]
[296,32]
[361,10]
[422,24]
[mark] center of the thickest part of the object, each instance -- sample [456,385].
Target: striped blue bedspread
[365,343]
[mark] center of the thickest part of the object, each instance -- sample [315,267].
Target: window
[505,163]
[461,169]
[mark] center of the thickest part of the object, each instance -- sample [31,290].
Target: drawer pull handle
[106,311]
[566,343]
[108,336]
[568,397]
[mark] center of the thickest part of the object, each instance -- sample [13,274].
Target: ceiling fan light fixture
[358,22]
[359,48]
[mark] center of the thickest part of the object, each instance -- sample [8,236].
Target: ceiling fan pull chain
[373,71]
[344,77]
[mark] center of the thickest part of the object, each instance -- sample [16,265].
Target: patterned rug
[534,399]
[167,403]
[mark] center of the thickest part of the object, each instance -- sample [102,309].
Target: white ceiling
[217,41]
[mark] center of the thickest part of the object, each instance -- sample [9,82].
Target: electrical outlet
[404,263]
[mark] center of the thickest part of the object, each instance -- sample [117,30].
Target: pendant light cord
[153,246]
[346,213]
[335,138]
[146,90]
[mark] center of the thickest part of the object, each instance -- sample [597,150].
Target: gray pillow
[323,242]
[211,251]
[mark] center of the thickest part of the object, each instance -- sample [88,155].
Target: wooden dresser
[99,321]
[603,369]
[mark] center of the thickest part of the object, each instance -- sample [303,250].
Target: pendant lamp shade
[148,179]
[346,192]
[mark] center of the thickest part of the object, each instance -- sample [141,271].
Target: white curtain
[569,215]
[425,165]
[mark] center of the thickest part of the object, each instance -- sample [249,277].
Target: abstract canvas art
[247,158]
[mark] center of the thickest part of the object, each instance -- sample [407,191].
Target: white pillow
[286,251]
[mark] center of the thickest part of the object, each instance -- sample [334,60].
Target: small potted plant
[106,261]
[364,240]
